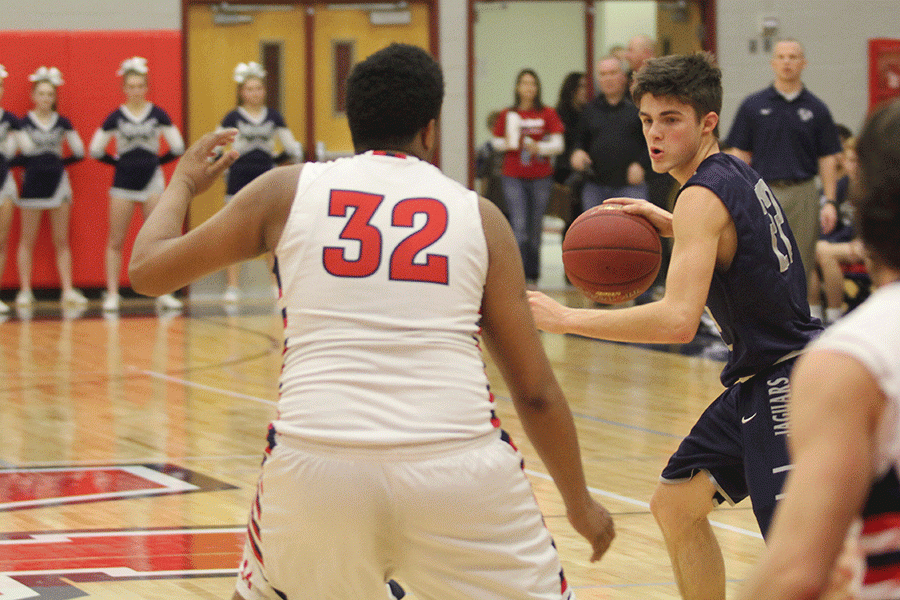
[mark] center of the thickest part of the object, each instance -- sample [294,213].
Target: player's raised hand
[202,164]
[659,218]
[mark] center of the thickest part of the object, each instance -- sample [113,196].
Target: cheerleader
[45,185]
[10,141]
[257,126]
[136,127]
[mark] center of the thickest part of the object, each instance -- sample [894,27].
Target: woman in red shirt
[531,135]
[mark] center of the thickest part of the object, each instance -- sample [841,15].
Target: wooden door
[273,36]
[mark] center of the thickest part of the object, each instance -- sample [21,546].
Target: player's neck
[709,145]
[883,275]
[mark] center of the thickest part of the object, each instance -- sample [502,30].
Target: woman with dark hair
[572,99]
[530,134]
[573,96]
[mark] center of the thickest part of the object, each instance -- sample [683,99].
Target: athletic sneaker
[24,298]
[170,302]
[3,308]
[73,296]
[111,302]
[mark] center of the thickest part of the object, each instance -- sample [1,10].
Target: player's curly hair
[876,194]
[391,96]
[693,79]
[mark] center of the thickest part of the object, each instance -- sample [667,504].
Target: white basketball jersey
[382,265]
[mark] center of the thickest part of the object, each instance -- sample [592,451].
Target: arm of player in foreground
[514,343]
[834,421]
[164,259]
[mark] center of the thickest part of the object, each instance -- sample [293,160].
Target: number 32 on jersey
[368,238]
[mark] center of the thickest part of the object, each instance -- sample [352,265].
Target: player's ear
[429,136]
[709,122]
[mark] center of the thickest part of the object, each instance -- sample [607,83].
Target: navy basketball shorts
[740,441]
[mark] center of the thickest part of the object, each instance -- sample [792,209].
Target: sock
[832,314]
[816,311]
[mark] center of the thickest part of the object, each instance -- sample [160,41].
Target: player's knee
[679,505]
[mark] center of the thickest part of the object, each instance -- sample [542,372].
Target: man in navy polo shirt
[788,136]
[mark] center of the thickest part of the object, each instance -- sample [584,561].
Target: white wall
[545,36]
[548,37]
[835,35]
[90,14]
[834,32]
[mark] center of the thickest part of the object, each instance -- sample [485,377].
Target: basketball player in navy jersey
[734,254]
[136,127]
[386,459]
[845,437]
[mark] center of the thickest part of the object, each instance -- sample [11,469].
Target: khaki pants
[800,203]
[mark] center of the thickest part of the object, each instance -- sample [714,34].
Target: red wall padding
[91,90]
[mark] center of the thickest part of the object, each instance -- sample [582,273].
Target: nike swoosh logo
[747,419]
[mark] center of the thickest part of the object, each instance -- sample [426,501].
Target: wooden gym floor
[130,447]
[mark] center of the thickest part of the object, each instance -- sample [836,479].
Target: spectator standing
[610,149]
[136,127]
[45,185]
[843,492]
[788,136]
[660,186]
[530,134]
[572,100]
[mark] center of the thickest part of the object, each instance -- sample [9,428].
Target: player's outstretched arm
[834,423]
[514,343]
[164,259]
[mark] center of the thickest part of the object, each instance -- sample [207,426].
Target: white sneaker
[3,308]
[24,298]
[170,302]
[232,294]
[73,296]
[111,302]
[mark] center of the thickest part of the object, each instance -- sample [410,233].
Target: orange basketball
[610,255]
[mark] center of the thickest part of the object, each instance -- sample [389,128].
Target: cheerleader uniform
[138,175]
[255,142]
[9,127]
[46,183]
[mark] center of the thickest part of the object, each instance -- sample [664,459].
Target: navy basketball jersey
[9,124]
[759,303]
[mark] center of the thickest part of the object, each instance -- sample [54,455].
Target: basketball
[610,255]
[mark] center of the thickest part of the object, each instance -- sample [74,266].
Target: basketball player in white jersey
[386,459]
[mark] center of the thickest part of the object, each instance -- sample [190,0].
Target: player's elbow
[140,276]
[682,327]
